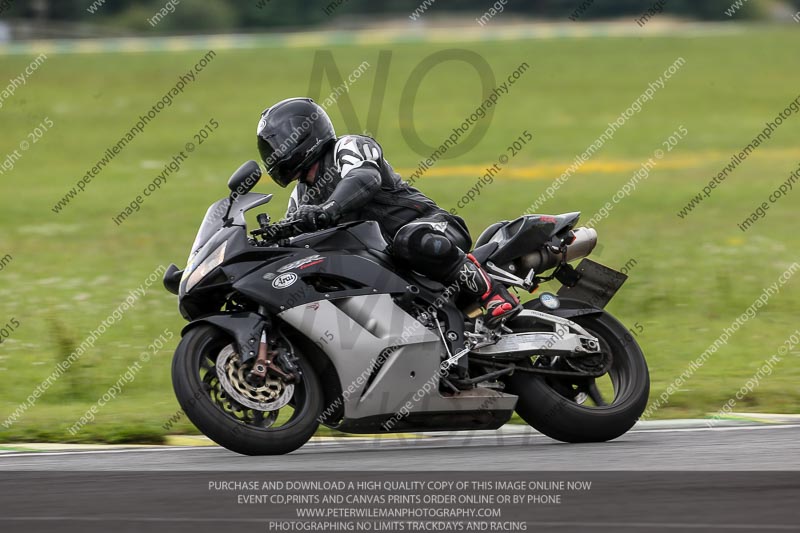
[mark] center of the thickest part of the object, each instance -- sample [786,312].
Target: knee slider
[436,245]
[401,245]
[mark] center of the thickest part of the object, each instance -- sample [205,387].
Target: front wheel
[209,382]
[576,409]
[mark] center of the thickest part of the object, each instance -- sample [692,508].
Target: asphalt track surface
[728,448]
[739,478]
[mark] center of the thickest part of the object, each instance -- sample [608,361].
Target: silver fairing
[355,332]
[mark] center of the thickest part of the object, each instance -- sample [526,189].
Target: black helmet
[292,134]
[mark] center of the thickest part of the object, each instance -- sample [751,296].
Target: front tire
[555,405]
[227,422]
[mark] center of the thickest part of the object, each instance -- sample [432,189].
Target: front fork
[268,354]
[253,338]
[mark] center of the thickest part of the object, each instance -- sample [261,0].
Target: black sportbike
[288,331]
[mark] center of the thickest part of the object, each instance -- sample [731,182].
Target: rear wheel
[209,382]
[578,409]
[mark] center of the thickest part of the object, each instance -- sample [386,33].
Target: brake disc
[231,372]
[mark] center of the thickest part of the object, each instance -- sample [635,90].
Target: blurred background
[101,99]
[92,18]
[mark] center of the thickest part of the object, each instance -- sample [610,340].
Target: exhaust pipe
[545,259]
[584,243]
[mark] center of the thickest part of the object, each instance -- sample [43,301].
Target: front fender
[244,327]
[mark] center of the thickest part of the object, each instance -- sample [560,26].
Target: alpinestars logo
[469,277]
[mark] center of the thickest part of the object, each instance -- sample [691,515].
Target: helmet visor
[283,170]
[279,146]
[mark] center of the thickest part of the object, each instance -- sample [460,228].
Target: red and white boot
[500,305]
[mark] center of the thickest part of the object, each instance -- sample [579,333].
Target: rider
[346,178]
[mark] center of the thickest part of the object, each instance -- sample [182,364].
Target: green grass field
[692,277]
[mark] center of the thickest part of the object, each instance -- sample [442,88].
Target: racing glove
[310,218]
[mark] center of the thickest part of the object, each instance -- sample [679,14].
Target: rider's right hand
[311,218]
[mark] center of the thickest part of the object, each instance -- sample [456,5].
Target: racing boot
[473,280]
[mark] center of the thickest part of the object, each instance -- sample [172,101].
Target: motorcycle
[288,331]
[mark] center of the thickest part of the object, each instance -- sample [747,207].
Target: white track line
[126,450]
[430,441]
[730,428]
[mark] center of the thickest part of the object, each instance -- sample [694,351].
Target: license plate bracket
[596,286]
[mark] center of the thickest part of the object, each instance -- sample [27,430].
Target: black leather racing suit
[354,174]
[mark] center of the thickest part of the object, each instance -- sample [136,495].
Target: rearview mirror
[244,179]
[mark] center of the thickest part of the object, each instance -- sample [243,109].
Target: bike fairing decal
[284,280]
[301,262]
[550,301]
[318,261]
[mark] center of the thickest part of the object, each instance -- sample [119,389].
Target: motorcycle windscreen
[211,224]
[213,221]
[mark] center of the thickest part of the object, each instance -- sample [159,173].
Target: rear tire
[221,426]
[547,404]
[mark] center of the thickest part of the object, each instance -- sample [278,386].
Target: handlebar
[281,230]
[274,232]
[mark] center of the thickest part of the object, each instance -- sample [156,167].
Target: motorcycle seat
[521,235]
[484,252]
